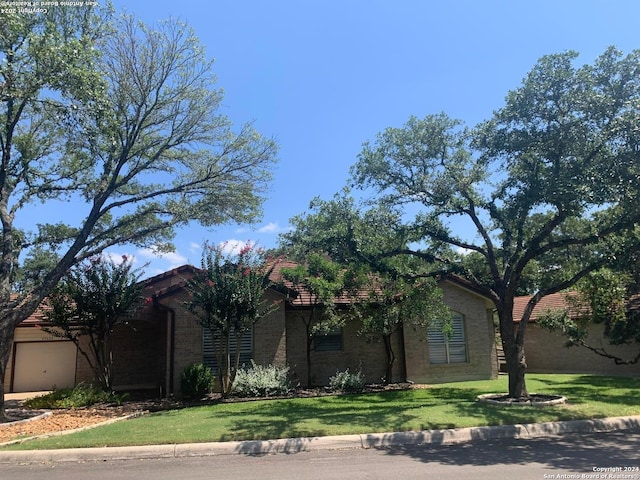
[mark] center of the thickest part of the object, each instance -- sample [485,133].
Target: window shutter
[445,349]
[209,354]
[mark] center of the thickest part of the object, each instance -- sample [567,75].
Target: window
[450,347]
[209,354]
[330,341]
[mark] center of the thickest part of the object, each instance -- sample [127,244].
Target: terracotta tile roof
[549,302]
[559,301]
[174,280]
[37,318]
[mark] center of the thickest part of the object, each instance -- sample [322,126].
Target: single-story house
[153,350]
[546,351]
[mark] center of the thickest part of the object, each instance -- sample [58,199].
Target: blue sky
[325,76]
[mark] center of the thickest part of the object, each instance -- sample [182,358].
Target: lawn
[451,405]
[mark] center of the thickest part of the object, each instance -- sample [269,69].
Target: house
[153,350]
[546,352]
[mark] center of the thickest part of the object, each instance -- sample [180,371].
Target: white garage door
[43,366]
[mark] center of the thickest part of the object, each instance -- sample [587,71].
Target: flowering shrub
[227,297]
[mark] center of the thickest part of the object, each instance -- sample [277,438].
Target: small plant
[347,381]
[82,395]
[262,381]
[196,381]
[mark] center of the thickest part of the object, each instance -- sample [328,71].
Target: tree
[228,298]
[393,303]
[386,293]
[320,282]
[90,301]
[551,177]
[122,120]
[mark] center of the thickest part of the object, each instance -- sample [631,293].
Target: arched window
[447,345]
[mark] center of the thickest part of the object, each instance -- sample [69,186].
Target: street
[571,456]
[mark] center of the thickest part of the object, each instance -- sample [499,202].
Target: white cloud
[173,258]
[233,247]
[271,227]
[194,247]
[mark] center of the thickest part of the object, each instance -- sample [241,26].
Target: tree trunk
[226,375]
[309,345]
[513,346]
[391,357]
[516,368]
[6,342]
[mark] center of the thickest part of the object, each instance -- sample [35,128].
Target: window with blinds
[445,348]
[209,354]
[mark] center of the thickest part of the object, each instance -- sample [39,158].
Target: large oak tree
[122,120]
[551,179]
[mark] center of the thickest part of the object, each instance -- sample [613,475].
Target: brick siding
[479,333]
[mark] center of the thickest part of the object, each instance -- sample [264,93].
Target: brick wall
[139,353]
[545,353]
[270,334]
[357,353]
[187,337]
[479,333]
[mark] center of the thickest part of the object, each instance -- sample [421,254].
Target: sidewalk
[294,445]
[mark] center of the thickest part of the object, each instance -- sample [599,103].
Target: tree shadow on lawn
[326,416]
[370,413]
[397,411]
[571,453]
[614,390]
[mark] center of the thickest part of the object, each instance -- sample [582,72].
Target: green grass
[451,405]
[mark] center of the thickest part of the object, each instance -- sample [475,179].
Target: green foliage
[540,193]
[322,282]
[82,395]
[123,120]
[347,381]
[227,295]
[88,303]
[196,381]
[262,381]
[601,300]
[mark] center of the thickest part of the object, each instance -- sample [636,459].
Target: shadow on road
[577,452]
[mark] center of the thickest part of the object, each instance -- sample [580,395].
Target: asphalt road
[570,456]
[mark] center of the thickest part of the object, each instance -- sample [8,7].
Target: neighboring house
[546,352]
[153,350]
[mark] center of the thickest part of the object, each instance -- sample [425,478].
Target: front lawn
[451,405]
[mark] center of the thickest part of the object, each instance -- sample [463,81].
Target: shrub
[262,381]
[347,381]
[196,381]
[82,395]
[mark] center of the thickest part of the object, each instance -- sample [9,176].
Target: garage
[41,366]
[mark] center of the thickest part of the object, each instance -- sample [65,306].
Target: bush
[262,381]
[347,381]
[196,381]
[82,395]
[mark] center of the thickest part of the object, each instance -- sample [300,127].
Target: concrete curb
[305,444]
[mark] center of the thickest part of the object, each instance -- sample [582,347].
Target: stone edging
[44,414]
